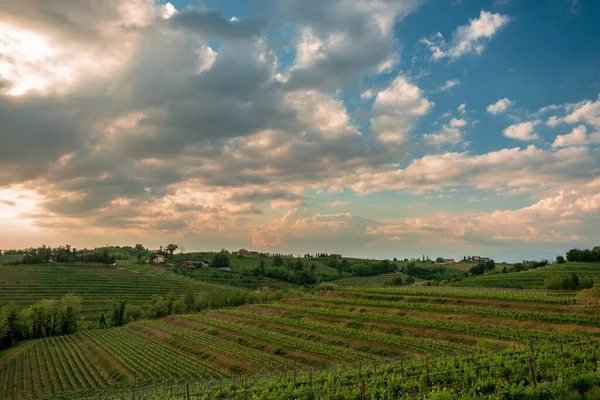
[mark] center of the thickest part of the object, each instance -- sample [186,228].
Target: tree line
[584,255]
[47,317]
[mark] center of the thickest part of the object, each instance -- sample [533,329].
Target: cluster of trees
[524,266]
[481,267]
[430,273]
[42,319]
[399,281]
[568,282]
[62,254]
[123,311]
[292,270]
[584,255]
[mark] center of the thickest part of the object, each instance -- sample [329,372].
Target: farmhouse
[247,253]
[449,261]
[158,259]
[478,259]
[194,264]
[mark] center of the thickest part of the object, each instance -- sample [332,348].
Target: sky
[371,128]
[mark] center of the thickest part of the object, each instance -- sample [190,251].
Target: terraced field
[95,283]
[533,278]
[355,330]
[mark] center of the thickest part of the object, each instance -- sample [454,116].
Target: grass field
[533,278]
[376,280]
[5,259]
[95,283]
[353,329]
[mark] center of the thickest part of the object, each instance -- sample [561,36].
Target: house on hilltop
[449,261]
[158,259]
[194,264]
[247,253]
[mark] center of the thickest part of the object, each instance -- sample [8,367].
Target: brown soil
[268,346]
[96,353]
[413,331]
[221,363]
[351,342]
[459,317]
[482,303]
[37,380]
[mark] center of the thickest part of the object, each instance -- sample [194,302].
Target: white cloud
[553,121]
[578,136]
[458,123]
[396,109]
[449,85]
[448,134]
[467,39]
[462,108]
[522,131]
[500,106]
[367,94]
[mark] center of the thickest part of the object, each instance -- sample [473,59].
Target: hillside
[95,283]
[532,278]
[358,330]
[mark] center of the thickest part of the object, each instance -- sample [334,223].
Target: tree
[102,322]
[560,260]
[220,260]
[277,261]
[118,308]
[478,269]
[439,260]
[490,265]
[139,252]
[189,299]
[171,249]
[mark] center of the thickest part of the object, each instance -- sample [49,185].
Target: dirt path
[96,354]
[412,331]
[222,362]
[352,342]
[482,303]
[520,324]
[37,378]
[293,355]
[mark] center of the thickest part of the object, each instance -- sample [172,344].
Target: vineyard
[382,342]
[533,278]
[95,283]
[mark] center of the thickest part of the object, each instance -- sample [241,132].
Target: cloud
[449,85]
[577,137]
[462,108]
[522,131]
[336,203]
[563,217]
[326,55]
[447,135]
[466,39]
[530,169]
[500,106]
[396,109]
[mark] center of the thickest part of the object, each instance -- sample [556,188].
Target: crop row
[223,346]
[403,342]
[468,328]
[571,318]
[331,352]
[534,296]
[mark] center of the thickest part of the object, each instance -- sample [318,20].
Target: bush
[220,260]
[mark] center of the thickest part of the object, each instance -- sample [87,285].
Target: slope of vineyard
[355,330]
[95,283]
[533,278]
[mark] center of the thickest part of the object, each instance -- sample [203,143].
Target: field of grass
[532,278]
[236,279]
[9,258]
[489,335]
[376,280]
[95,283]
